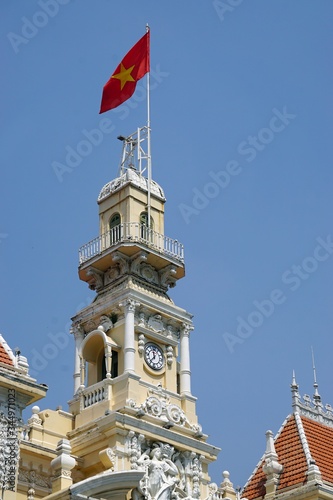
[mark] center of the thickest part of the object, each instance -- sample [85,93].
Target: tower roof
[301,442]
[304,448]
[131,176]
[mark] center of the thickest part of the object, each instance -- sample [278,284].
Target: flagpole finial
[147,28]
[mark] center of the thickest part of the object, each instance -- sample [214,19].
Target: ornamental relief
[111,274]
[165,278]
[34,478]
[169,473]
[149,273]
[156,323]
[158,405]
[122,265]
[95,281]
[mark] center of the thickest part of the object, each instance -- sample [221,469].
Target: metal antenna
[128,156]
[135,153]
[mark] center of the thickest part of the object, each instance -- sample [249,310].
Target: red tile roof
[320,441]
[4,356]
[292,457]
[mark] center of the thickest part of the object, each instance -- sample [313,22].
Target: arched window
[115,228]
[145,231]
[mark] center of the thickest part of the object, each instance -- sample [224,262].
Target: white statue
[161,476]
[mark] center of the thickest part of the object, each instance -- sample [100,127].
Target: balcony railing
[132,232]
[94,395]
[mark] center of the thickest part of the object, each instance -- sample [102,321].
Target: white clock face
[154,356]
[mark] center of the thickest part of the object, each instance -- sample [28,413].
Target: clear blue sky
[242,145]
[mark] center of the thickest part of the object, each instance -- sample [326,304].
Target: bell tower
[132,403]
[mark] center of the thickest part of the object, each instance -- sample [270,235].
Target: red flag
[132,68]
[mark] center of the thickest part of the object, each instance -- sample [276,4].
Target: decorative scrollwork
[176,415]
[153,406]
[158,405]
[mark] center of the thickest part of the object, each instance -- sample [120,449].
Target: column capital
[77,330]
[129,304]
[186,329]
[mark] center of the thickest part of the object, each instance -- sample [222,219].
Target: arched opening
[100,354]
[146,232]
[115,228]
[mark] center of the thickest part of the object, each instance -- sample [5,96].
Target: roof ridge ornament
[295,394]
[309,408]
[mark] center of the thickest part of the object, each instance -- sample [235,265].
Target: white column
[78,336]
[129,349]
[185,371]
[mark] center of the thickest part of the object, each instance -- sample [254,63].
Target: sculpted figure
[161,475]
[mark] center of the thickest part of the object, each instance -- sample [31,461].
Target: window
[115,228]
[146,232]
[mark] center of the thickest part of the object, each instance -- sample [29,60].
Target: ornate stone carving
[168,276]
[33,478]
[155,323]
[96,281]
[61,473]
[158,405]
[77,330]
[169,354]
[90,326]
[130,305]
[141,343]
[309,408]
[142,319]
[213,492]
[169,474]
[190,472]
[170,331]
[149,273]
[64,462]
[134,442]
[34,419]
[105,324]
[111,274]
[31,494]
[137,261]
[122,261]
[186,329]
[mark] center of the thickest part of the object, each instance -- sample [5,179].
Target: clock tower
[134,412]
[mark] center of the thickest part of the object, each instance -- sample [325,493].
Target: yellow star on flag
[124,75]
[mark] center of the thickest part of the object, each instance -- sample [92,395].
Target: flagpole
[148,134]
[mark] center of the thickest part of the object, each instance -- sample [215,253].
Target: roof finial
[294,392]
[294,383]
[316,396]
